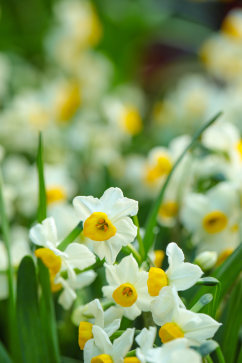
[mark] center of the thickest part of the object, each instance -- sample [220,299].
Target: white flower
[177,322]
[213,217]
[176,351]
[179,275]
[101,347]
[106,222]
[128,287]
[109,321]
[75,255]
[145,341]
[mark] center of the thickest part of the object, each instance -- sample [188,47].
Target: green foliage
[42,193]
[4,357]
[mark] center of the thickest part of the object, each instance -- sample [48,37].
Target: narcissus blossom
[128,287]
[180,275]
[75,255]
[177,351]
[106,222]
[101,350]
[176,322]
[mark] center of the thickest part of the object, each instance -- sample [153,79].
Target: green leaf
[232,324]
[226,274]
[152,219]
[42,193]
[4,357]
[10,275]
[33,348]
[47,314]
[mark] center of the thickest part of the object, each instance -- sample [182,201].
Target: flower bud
[206,260]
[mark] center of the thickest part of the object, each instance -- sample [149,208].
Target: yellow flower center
[84,333]
[125,295]
[164,164]
[131,360]
[156,280]
[52,262]
[131,121]
[68,102]
[170,331]
[168,209]
[215,222]
[159,257]
[55,194]
[224,255]
[102,358]
[162,167]
[98,227]
[239,148]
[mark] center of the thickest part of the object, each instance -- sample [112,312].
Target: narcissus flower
[75,255]
[109,321]
[177,351]
[106,222]
[180,275]
[213,217]
[177,322]
[128,287]
[101,350]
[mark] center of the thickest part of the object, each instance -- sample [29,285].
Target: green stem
[139,238]
[220,355]
[209,359]
[71,237]
[152,219]
[130,249]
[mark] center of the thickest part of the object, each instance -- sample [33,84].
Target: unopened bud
[206,260]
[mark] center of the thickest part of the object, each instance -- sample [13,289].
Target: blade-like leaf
[71,237]
[152,219]
[33,348]
[42,193]
[47,314]
[4,357]
[232,324]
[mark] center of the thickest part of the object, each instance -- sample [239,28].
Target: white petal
[85,206]
[194,208]
[175,254]
[44,232]
[146,338]
[164,306]
[112,314]
[126,231]
[185,355]
[90,351]
[101,339]
[95,309]
[183,276]
[122,345]
[112,327]
[79,256]
[107,250]
[117,206]
[83,279]
[199,327]
[132,312]
[66,298]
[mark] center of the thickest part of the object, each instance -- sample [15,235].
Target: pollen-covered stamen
[125,295]
[170,331]
[102,224]
[98,227]
[102,358]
